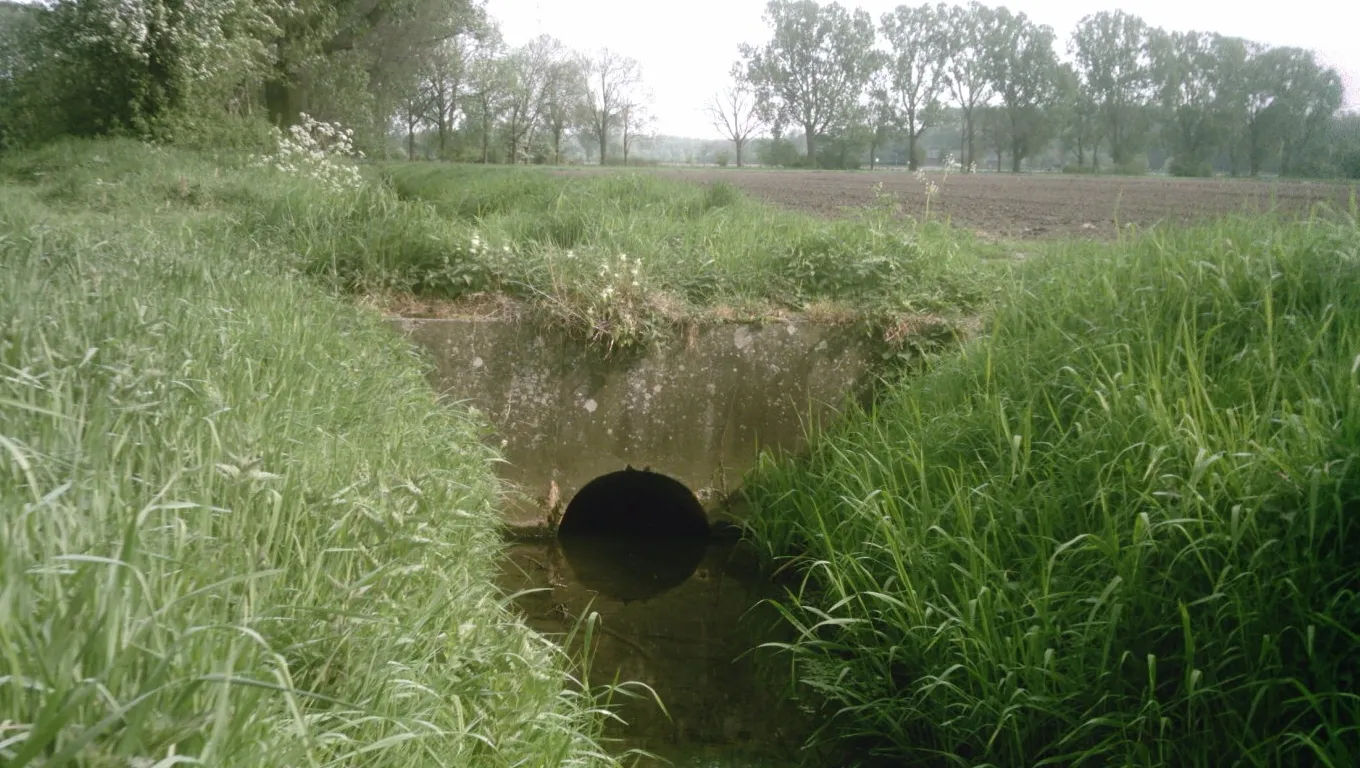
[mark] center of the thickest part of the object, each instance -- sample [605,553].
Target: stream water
[680,618]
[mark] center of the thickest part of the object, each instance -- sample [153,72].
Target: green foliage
[1111,50]
[1350,164]
[1023,69]
[916,65]
[238,528]
[814,68]
[1118,529]
[698,246]
[97,67]
[779,152]
[1178,166]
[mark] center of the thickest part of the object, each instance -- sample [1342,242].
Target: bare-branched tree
[733,112]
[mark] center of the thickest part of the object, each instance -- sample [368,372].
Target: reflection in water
[682,620]
[629,568]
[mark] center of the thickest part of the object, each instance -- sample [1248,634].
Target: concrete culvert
[635,502]
[633,534]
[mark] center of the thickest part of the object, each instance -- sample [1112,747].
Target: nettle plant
[320,151]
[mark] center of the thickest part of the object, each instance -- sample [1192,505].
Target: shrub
[1350,164]
[1190,168]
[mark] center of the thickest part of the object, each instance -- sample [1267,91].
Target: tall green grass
[1120,529]
[620,258]
[236,527]
[704,244]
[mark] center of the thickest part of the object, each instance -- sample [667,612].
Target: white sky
[686,48]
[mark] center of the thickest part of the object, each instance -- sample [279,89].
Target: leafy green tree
[814,70]
[1024,71]
[1187,70]
[1344,140]
[527,73]
[1077,116]
[1261,85]
[1233,99]
[916,64]
[1111,51]
[563,99]
[355,60]
[1306,96]
[138,66]
[444,76]
[17,26]
[967,73]
[488,87]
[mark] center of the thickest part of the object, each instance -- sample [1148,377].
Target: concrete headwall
[697,408]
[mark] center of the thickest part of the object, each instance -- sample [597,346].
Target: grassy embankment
[623,258]
[1121,528]
[235,525]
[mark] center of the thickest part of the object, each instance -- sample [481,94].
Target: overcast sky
[686,48]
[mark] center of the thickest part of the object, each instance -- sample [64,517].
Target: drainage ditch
[680,609]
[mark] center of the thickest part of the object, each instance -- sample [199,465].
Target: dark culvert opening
[633,534]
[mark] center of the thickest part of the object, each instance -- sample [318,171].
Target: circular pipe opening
[638,503]
[633,534]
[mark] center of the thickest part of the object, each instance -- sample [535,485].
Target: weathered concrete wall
[696,409]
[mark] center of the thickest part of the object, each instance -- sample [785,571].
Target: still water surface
[682,619]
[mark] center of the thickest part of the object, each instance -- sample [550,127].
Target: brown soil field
[1005,206]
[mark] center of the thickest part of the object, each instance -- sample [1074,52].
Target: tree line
[219,72]
[830,86]
[835,74]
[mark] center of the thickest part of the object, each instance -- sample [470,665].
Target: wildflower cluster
[932,188]
[317,150]
[607,301]
[475,266]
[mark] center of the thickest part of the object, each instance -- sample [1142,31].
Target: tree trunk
[811,145]
[486,138]
[739,144]
[873,151]
[410,140]
[1016,156]
[604,138]
[963,146]
[911,149]
[968,121]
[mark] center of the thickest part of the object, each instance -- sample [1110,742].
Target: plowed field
[1030,205]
